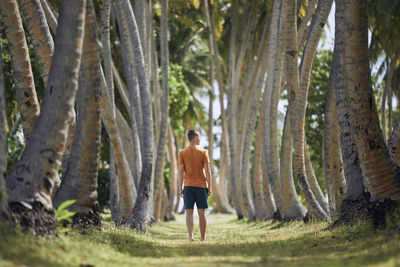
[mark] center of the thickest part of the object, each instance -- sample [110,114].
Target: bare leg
[202,223]
[190,223]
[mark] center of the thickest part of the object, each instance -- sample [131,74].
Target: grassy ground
[229,242]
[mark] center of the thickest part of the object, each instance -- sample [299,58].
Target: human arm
[180,174]
[208,177]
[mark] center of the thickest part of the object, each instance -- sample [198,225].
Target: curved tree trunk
[302,30]
[31,182]
[268,195]
[39,32]
[50,16]
[80,180]
[333,166]
[381,175]
[292,208]
[318,23]
[27,101]
[114,190]
[162,137]
[312,180]
[4,210]
[135,111]
[139,214]
[272,92]
[234,155]
[256,175]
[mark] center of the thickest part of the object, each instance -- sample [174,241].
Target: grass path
[229,242]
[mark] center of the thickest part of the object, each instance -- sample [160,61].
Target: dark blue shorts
[196,195]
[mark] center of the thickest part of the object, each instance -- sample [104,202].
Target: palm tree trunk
[268,194]
[162,137]
[4,210]
[27,101]
[173,182]
[39,32]
[50,16]
[126,186]
[139,214]
[114,190]
[381,175]
[31,182]
[80,180]
[302,30]
[256,175]
[318,23]
[312,180]
[333,166]
[271,96]
[292,208]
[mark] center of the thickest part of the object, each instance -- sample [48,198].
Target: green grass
[229,242]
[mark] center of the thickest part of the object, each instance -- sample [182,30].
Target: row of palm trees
[253,62]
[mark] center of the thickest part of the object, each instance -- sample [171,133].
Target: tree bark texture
[381,175]
[31,182]
[317,25]
[39,32]
[80,179]
[27,101]
[333,167]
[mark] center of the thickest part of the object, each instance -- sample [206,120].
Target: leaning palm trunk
[4,210]
[256,175]
[162,133]
[312,180]
[268,195]
[318,23]
[80,180]
[31,182]
[333,166]
[351,163]
[39,32]
[292,208]
[219,191]
[134,95]
[381,175]
[173,182]
[302,30]
[139,214]
[232,127]
[271,96]
[27,102]
[50,16]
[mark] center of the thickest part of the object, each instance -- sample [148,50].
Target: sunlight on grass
[229,242]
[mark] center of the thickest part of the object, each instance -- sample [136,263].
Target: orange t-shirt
[193,160]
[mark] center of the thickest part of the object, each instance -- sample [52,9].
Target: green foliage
[178,99]
[62,215]
[167,174]
[315,113]
[15,145]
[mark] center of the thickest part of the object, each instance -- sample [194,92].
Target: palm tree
[39,32]
[27,102]
[31,182]
[333,166]
[138,218]
[318,23]
[4,211]
[80,179]
[162,133]
[382,177]
[292,208]
[351,162]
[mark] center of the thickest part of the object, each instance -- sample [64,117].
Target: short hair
[192,133]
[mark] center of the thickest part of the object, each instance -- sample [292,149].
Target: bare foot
[191,239]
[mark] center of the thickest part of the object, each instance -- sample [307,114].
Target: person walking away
[194,173]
